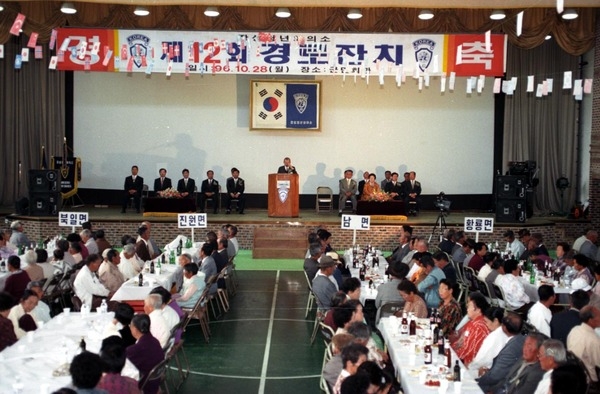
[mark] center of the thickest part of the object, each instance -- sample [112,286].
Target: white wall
[202,123]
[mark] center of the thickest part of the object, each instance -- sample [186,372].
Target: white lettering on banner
[475,53]
[71,219]
[227,52]
[355,222]
[479,225]
[191,220]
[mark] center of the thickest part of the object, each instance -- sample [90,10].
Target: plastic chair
[324,199]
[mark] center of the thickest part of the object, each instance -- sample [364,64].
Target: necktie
[185,182]
[348,182]
[210,182]
[412,183]
[162,180]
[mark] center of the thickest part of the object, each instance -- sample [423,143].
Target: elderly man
[208,265]
[516,298]
[130,266]
[324,284]
[402,250]
[311,264]
[388,291]
[141,246]
[513,246]
[581,284]
[147,352]
[101,242]
[588,246]
[210,190]
[18,238]
[584,342]
[393,187]
[540,314]
[33,269]
[348,189]
[233,239]
[133,186]
[109,272]
[162,182]
[491,380]
[441,260]
[158,325]
[20,314]
[551,355]
[88,239]
[42,311]
[152,245]
[524,376]
[182,261]
[88,287]
[430,285]
[17,281]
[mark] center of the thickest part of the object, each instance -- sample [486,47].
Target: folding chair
[485,290]
[388,309]
[328,354]
[157,374]
[324,199]
[222,296]
[502,298]
[311,297]
[199,312]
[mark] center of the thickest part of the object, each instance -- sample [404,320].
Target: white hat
[16,224]
[580,284]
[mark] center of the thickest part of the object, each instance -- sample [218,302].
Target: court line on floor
[217,375]
[265,365]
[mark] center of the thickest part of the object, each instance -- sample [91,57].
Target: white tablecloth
[34,357]
[399,350]
[131,291]
[365,292]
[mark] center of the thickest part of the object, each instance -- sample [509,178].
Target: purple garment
[180,313]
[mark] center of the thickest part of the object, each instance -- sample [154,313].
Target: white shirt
[16,312]
[235,243]
[91,246]
[578,242]
[129,267]
[484,272]
[539,316]
[41,312]
[490,347]
[170,316]
[516,247]
[544,384]
[159,327]
[87,285]
[514,291]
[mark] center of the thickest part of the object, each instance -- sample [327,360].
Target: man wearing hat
[18,238]
[388,291]
[324,284]
[582,284]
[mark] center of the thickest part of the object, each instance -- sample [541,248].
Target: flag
[43,163]
[281,105]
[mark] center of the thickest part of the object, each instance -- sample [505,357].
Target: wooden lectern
[283,195]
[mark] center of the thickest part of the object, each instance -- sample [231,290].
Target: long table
[380,208]
[409,368]
[176,205]
[28,365]
[133,294]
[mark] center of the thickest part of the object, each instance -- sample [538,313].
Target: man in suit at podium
[394,188]
[287,167]
[210,189]
[412,191]
[186,185]
[348,187]
[134,185]
[235,190]
[162,182]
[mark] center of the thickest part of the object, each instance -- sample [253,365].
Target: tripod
[440,225]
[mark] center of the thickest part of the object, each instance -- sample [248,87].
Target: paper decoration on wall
[169,68]
[529,83]
[38,52]
[497,85]
[420,84]
[560,6]
[488,41]
[64,45]
[187,70]
[52,39]
[32,40]
[1,51]
[17,25]
[452,81]
[480,84]
[520,23]
[544,88]
[18,62]
[469,85]
[587,86]
[443,83]
[567,81]
[578,89]
[459,54]
[426,80]
[107,57]
[53,62]
[539,90]
[24,54]
[550,82]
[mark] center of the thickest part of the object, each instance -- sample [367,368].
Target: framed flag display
[285,105]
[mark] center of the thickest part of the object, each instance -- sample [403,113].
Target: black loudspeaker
[511,187]
[44,204]
[511,211]
[44,181]
[22,206]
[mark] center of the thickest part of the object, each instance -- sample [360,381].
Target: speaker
[44,204]
[511,211]
[22,206]
[41,181]
[510,187]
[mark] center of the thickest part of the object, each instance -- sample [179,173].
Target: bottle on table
[2,266]
[152,267]
[435,330]
[427,353]
[159,265]
[448,354]
[404,325]
[103,306]
[179,247]
[361,273]
[532,275]
[412,327]
[441,343]
[456,372]
[82,345]
[141,280]
[172,257]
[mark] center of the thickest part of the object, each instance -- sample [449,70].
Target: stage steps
[280,243]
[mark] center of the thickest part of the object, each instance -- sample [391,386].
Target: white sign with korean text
[356,222]
[72,219]
[479,225]
[191,220]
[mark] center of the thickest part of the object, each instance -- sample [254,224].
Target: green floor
[262,344]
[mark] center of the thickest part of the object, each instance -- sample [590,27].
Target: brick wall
[595,139]
[382,237]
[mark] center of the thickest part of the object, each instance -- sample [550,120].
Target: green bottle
[172,257]
[532,275]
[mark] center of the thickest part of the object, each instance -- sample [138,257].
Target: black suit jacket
[397,188]
[233,188]
[510,355]
[281,170]
[361,186]
[142,251]
[166,184]
[562,323]
[213,188]
[191,185]
[408,188]
[138,184]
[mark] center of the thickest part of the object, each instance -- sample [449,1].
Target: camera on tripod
[442,203]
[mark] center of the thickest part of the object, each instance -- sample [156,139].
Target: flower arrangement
[169,193]
[379,197]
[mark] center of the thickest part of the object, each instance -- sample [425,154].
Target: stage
[383,233]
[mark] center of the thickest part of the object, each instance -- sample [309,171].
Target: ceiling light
[570,14]
[426,15]
[211,12]
[548,37]
[68,8]
[283,12]
[354,13]
[1,7]
[497,15]
[141,11]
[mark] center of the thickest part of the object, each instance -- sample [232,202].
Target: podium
[283,195]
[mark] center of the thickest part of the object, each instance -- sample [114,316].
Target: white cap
[580,284]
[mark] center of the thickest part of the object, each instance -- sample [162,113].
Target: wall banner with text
[218,52]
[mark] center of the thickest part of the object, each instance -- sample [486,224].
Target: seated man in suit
[287,167]
[348,188]
[162,182]
[134,185]
[361,184]
[394,188]
[210,189]
[235,190]
[412,191]
[186,185]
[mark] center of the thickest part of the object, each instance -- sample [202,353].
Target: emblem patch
[423,52]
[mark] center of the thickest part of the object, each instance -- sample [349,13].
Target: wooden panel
[279,243]
[290,207]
